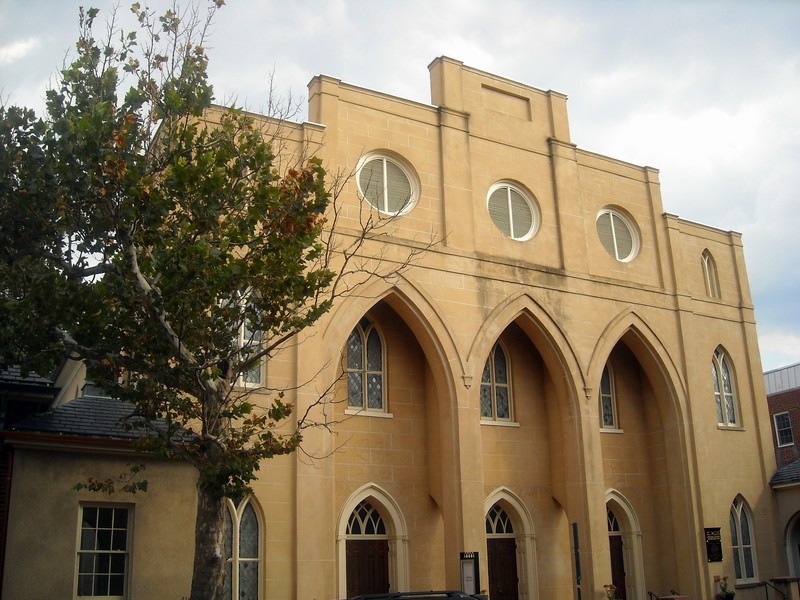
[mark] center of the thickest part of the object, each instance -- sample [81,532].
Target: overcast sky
[707,92]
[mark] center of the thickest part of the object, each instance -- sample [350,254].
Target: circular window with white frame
[618,234]
[387,183]
[513,211]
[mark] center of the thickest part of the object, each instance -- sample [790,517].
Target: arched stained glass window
[744,563]
[724,394]
[365,368]
[496,386]
[608,400]
[242,551]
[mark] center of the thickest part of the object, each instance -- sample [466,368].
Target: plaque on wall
[713,544]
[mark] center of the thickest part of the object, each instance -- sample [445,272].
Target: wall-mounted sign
[470,573]
[713,544]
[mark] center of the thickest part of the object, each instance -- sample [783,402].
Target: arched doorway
[372,540]
[501,548]
[615,545]
[367,548]
[625,547]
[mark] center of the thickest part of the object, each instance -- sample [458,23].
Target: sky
[708,92]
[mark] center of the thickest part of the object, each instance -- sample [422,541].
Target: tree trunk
[208,576]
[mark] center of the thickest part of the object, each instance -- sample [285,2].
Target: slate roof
[787,474]
[87,416]
[14,375]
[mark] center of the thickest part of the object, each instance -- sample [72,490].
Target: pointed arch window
[724,390]
[498,522]
[242,551]
[613,523]
[710,275]
[741,522]
[365,368]
[496,387]
[608,400]
[365,520]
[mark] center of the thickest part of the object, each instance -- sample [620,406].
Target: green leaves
[132,227]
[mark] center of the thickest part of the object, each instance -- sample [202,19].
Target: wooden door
[367,567]
[503,581]
[617,565]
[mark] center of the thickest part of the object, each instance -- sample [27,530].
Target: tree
[167,253]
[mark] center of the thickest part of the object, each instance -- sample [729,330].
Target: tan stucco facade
[562,309]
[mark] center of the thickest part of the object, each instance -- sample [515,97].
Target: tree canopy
[167,252]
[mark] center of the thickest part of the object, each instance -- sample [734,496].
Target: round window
[618,234]
[514,214]
[386,184]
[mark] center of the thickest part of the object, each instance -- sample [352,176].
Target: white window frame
[492,384]
[710,275]
[611,395]
[126,552]
[725,398]
[779,429]
[508,209]
[741,508]
[383,202]
[364,329]
[234,520]
[245,338]
[608,239]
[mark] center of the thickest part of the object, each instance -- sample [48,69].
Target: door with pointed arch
[616,548]
[501,546]
[367,552]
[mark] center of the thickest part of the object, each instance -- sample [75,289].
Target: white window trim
[614,427]
[720,398]
[494,420]
[529,200]
[128,548]
[616,213]
[365,410]
[235,513]
[738,507]
[408,171]
[777,433]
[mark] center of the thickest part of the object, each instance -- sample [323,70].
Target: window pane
[85,585]
[749,571]
[227,592]
[501,399]
[608,411]
[726,376]
[119,540]
[521,215]
[355,389]
[248,534]
[605,234]
[734,530]
[228,534]
[374,391]
[398,188]
[374,352]
[498,210]
[737,567]
[623,237]
[500,370]
[605,382]
[248,580]
[745,525]
[486,377]
[86,563]
[486,400]
[370,179]
[116,585]
[88,539]
[354,351]
[731,409]
[103,539]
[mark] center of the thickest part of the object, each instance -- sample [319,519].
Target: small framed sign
[713,544]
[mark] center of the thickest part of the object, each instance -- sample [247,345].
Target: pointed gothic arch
[630,535]
[524,535]
[396,532]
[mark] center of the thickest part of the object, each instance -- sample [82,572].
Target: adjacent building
[783,399]
[566,382]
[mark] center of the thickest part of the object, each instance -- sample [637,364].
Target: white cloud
[16,50]
[778,348]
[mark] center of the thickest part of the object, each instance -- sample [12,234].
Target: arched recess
[546,335]
[636,333]
[418,312]
[792,538]
[525,538]
[631,534]
[396,530]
